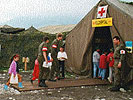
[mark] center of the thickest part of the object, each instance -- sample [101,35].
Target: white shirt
[61,54]
[96,56]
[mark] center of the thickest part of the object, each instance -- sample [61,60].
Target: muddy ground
[70,93]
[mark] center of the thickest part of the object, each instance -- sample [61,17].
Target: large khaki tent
[83,39]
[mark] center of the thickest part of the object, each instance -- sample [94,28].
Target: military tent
[32,29]
[83,39]
[10,30]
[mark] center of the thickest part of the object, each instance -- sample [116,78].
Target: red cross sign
[102,11]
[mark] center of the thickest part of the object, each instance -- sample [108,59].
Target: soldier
[56,44]
[42,56]
[119,65]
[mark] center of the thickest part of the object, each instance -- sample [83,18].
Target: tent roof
[126,8]
[79,42]
[31,29]
[11,30]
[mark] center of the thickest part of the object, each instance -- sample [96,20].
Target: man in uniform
[119,65]
[42,56]
[56,44]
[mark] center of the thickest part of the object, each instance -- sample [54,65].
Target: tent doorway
[103,40]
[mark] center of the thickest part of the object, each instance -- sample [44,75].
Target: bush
[25,44]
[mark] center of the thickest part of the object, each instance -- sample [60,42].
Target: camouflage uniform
[56,44]
[119,56]
[44,72]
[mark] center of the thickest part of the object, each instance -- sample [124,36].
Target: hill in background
[57,28]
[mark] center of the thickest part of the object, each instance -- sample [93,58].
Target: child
[103,65]
[110,59]
[15,70]
[62,56]
[36,70]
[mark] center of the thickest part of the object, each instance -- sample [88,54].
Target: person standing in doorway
[119,65]
[110,60]
[56,44]
[103,65]
[96,58]
[42,56]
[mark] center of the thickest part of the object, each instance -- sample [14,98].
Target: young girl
[15,70]
[62,56]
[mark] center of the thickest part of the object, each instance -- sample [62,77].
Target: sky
[39,13]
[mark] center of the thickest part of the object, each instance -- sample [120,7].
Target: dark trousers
[54,69]
[61,67]
[44,72]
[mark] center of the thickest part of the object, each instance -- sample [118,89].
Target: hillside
[5,26]
[57,28]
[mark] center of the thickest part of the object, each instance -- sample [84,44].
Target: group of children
[14,68]
[101,62]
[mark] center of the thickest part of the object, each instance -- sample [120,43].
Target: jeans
[110,73]
[95,67]
[103,72]
[61,67]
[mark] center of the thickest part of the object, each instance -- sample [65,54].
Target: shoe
[42,83]
[52,80]
[109,80]
[99,77]
[115,88]
[126,88]
[57,78]
[5,87]
[20,85]
[122,90]
[31,81]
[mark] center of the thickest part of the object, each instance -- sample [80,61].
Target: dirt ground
[71,93]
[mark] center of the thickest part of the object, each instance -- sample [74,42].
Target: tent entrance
[102,39]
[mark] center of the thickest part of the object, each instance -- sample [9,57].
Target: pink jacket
[12,68]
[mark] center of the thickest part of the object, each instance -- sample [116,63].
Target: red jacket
[103,61]
[110,59]
[36,69]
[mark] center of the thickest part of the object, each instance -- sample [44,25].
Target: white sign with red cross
[102,11]
[122,51]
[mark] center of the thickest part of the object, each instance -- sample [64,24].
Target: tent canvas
[79,42]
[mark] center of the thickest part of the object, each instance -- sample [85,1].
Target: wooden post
[25,60]
[25,65]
